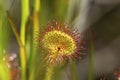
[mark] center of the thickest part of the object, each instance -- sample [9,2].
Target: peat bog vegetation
[42,40]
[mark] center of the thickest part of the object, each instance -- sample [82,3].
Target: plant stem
[13,26]
[24,18]
[35,35]
[91,65]
[1,45]
[4,71]
[74,71]
[36,24]
[49,72]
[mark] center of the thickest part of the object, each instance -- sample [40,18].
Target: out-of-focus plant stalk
[24,18]
[49,72]
[35,28]
[74,71]
[36,21]
[60,9]
[35,35]
[70,10]
[1,48]
[4,71]
[91,63]
[36,15]
[13,26]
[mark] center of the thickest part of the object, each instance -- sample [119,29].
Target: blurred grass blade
[4,29]
[91,63]
[74,71]
[35,35]
[1,21]
[14,29]
[25,14]
[59,9]
[24,18]
[4,71]
[36,15]
[74,9]
[49,72]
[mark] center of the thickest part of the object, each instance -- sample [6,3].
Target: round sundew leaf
[61,42]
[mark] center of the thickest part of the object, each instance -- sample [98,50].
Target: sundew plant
[47,42]
[42,40]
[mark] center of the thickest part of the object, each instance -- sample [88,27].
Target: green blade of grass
[24,18]
[4,71]
[35,35]
[74,71]
[25,14]
[14,29]
[49,72]
[61,9]
[1,43]
[91,63]
[4,29]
